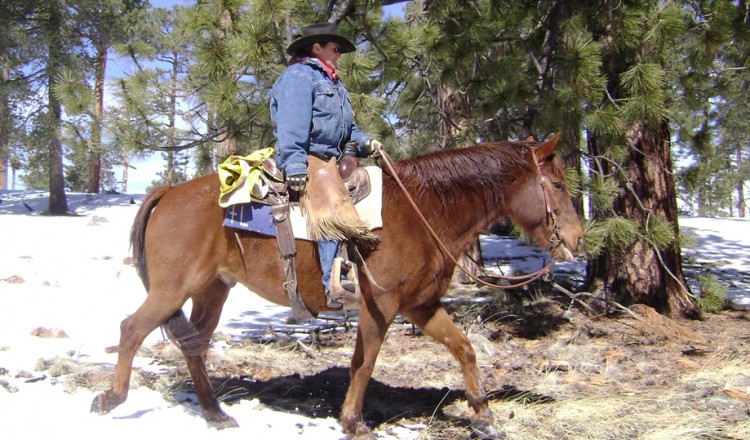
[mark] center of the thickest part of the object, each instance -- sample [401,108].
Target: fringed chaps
[328,208]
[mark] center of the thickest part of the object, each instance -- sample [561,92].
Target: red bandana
[331,73]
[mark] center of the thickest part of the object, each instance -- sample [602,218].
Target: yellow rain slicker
[240,178]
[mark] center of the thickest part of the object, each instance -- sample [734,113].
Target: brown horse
[182,252]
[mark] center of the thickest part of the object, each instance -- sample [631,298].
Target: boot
[344,294]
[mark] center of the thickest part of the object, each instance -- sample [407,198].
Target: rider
[312,115]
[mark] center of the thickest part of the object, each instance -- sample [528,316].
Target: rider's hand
[373,146]
[297,182]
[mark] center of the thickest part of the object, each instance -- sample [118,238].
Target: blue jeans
[327,252]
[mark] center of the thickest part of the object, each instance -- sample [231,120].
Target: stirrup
[346,294]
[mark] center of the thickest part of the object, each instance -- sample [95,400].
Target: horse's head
[542,207]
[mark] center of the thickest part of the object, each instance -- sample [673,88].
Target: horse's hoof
[97,404]
[484,430]
[364,435]
[104,403]
[222,422]
[360,432]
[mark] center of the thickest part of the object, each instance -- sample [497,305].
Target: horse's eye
[558,186]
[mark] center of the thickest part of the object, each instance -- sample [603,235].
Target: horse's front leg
[436,322]
[371,330]
[133,330]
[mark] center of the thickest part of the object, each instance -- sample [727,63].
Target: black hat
[319,33]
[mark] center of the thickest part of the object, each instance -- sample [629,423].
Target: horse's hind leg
[436,322]
[133,330]
[205,316]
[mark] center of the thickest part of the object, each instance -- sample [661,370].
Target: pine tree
[48,44]
[100,23]
[714,82]
[597,69]
[629,142]
[150,95]
[15,48]
[53,32]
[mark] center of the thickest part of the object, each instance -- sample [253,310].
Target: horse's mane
[449,173]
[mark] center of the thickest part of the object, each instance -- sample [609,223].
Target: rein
[529,278]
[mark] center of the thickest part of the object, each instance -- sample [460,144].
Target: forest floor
[551,372]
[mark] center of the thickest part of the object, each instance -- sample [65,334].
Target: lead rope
[528,277]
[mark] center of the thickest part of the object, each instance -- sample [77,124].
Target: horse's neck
[462,191]
[460,219]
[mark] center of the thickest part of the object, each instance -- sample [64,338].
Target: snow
[68,273]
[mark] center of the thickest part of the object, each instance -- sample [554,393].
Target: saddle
[328,207]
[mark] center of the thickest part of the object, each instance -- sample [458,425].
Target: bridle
[554,239]
[550,216]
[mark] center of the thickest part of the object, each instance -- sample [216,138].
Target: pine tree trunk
[125,169]
[171,142]
[740,184]
[571,158]
[58,203]
[638,273]
[95,152]
[471,260]
[5,123]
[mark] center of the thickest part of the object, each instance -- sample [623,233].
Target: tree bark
[171,142]
[471,260]
[740,184]
[95,150]
[571,158]
[5,123]
[125,171]
[639,273]
[58,203]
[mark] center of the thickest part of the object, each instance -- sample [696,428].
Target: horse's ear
[547,149]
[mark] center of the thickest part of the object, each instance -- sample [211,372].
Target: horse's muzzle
[564,252]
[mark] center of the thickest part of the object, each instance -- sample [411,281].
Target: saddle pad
[256,217]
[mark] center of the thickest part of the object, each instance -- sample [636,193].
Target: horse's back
[185,228]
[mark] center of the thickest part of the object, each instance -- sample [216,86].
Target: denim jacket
[311,114]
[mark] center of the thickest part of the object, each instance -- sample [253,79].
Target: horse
[181,251]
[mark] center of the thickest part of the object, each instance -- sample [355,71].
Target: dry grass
[653,414]
[636,382]
[616,417]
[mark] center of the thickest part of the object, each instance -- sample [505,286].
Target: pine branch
[194,143]
[345,9]
[277,41]
[368,33]
[575,298]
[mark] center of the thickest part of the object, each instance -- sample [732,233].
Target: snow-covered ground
[68,273]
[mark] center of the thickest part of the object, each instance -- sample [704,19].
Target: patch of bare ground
[551,371]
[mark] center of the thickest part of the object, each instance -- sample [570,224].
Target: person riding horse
[312,116]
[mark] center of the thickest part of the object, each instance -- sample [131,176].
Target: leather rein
[550,217]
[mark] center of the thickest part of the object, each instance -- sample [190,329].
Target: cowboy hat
[319,33]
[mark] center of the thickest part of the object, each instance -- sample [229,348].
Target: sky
[69,274]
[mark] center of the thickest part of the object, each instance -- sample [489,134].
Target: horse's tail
[177,327]
[138,231]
